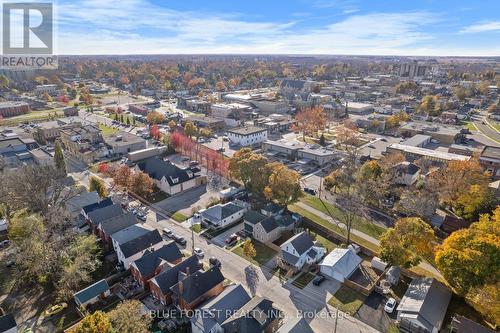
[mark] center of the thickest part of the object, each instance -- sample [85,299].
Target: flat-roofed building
[123,143]
[247,136]
[414,153]
[282,149]
[490,160]
[315,154]
[11,109]
[418,140]
[446,134]
[359,108]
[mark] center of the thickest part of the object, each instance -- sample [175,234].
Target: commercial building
[123,143]
[50,130]
[138,109]
[445,134]
[359,108]
[11,109]
[247,136]
[84,142]
[414,153]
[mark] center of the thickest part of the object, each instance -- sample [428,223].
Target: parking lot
[220,240]
[372,312]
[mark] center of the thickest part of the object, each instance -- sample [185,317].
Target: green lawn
[196,228]
[347,300]
[469,125]
[107,130]
[332,227]
[360,223]
[495,125]
[326,243]
[179,217]
[264,253]
[392,329]
[303,280]
[157,196]
[33,116]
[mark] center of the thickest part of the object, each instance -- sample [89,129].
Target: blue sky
[426,27]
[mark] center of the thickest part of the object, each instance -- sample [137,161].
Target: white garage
[340,264]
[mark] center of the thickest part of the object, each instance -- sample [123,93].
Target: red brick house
[153,263]
[197,287]
[160,284]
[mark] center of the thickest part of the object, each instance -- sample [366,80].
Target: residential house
[340,264]
[8,324]
[92,293]
[267,229]
[127,234]
[169,177]
[222,215]
[216,311]
[257,315]
[100,203]
[423,306]
[299,251]
[406,173]
[95,217]
[295,325]
[135,248]
[197,287]
[247,136]
[153,262]
[108,227]
[160,285]
[460,324]
[75,204]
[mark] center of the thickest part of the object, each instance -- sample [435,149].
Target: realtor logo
[28,33]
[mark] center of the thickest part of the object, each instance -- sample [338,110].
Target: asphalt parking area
[372,312]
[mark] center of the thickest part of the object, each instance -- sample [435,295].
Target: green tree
[4,81]
[407,243]
[127,317]
[59,161]
[190,129]
[369,170]
[97,184]
[97,322]
[249,168]
[283,186]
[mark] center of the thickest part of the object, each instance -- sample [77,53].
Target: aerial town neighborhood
[251,193]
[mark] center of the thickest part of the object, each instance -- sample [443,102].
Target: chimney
[188,271]
[181,287]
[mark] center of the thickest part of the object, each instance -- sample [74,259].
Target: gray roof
[289,258]
[141,243]
[98,204]
[84,199]
[157,168]
[221,211]
[7,322]
[101,214]
[253,217]
[129,233]
[254,316]
[198,284]
[302,242]
[296,325]
[117,223]
[269,224]
[247,130]
[92,291]
[407,167]
[221,307]
[170,276]
[148,263]
[427,298]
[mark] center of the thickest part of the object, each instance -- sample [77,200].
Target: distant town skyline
[423,28]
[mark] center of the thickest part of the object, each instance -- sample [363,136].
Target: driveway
[220,239]
[198,196]
[372,312]
[324,291]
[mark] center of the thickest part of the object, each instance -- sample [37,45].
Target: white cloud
[482,27]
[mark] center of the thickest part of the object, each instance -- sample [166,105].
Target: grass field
[347,300]
[303,280]
[179,217]
[106,130]
[33,116]
[470,125]
[196,228]
[264,253]
[332,227]
[360,223]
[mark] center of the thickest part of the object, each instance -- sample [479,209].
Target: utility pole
[192,240]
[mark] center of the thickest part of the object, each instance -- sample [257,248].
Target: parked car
[214,262]
[199,252]
[390,305]
[167,232]
[231,239]
[141,216]
[179,239]
[318,280]
[55,309]
[309,191]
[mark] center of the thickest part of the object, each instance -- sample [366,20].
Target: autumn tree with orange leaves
[310,121]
